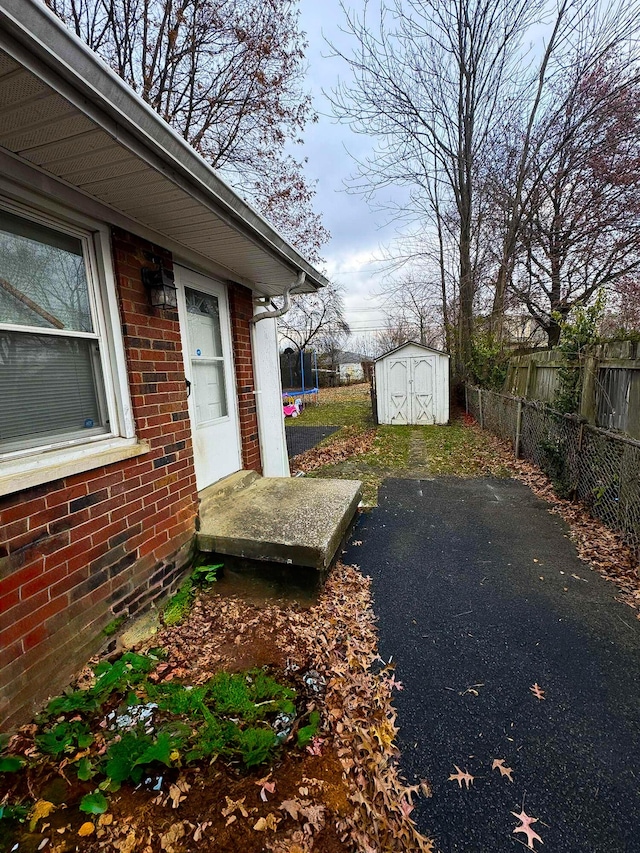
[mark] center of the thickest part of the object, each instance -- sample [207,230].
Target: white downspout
[278,312]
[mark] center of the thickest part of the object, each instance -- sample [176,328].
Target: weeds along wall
[80,551]
[592,465]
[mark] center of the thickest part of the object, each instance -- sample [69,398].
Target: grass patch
[458,451]
[454,450]
[349,406]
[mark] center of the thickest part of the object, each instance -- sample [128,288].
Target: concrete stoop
[298,521]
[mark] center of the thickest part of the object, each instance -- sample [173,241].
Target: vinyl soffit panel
[56,154]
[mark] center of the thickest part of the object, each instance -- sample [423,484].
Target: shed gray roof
[67,114]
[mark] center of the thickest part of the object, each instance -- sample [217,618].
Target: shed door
[398,384]
[421,390]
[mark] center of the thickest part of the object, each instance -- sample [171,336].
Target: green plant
[11,763]
[95,803]
[228,716]
[554,464]
[113,626]
[64,737]
[128,757]
[255,745]
[15,811]
[248,695]
[577,332]
[212,739]
[202,576]
[489,361]
[308,732]
[206,574]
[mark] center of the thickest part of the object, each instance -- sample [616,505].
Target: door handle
[188,384]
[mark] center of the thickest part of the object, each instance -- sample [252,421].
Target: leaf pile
[342,640]
[595,543]
[349,442]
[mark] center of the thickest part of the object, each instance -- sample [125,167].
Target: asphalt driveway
[480,595]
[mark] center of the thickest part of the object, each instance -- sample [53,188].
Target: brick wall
[79,551]
[241,309]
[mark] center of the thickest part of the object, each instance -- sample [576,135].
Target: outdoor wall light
[160,285]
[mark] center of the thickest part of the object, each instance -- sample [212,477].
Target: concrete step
[298,521]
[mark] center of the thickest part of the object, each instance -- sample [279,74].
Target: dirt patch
[342,792]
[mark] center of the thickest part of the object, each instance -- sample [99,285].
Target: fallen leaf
[105,819]
[537,691]
[265,823]
[42,808]
[177,795]
[526,822]
[175,832]
[461,777]
[87,829]
[425,787]
[315,747]
[201,829]
[235,806]
[265,787]
[128,844]
[498,764]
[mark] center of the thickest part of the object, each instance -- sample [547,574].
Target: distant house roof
[415,344]
[81,123]
[349,358]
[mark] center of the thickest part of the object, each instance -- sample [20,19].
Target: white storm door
[422,398]
[206,340]
[398,393]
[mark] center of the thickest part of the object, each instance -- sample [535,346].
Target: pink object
[290,411]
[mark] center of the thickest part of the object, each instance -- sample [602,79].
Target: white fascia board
[38,40]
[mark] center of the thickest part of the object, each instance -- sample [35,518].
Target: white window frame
[24,468]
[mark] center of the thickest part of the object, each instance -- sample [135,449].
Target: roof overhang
[413,344]
[65,113]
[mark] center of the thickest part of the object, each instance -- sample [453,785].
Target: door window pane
[43,278]
[209,395]
[49,388]
[205,351]
[204,324]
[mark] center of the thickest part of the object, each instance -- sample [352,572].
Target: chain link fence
[595,466]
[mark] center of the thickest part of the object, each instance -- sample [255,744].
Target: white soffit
[48,130]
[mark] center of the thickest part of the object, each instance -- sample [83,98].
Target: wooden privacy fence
[609,382]
[598,467]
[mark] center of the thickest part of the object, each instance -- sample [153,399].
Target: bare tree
[226,75]
[412,304]
[580,230]
[428,82]
[584,38]
[316,320]
[440,84]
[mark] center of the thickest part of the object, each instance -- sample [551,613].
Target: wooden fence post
[518,429]
[480,408]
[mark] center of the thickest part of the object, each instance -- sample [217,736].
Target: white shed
[412,385]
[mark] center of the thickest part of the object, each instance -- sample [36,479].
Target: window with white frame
[54,360]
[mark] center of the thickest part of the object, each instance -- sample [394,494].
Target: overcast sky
[357,233]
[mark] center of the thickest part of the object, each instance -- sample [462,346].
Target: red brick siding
[76,552]
[241,309]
